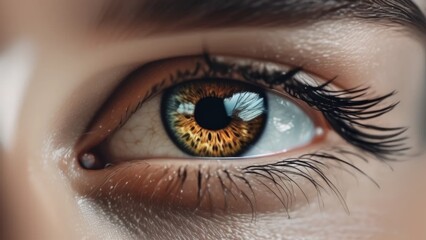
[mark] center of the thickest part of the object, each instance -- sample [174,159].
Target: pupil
[210,113]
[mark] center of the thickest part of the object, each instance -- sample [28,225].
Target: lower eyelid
[176,184]
[162,187]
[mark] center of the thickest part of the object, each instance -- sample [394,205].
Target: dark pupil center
[210,113]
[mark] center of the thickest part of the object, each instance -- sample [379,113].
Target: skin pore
[60,70]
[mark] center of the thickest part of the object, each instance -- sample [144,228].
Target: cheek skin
[28,177]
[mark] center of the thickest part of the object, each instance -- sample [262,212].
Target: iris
[214,117]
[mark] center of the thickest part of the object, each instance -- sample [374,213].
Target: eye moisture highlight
[174,116]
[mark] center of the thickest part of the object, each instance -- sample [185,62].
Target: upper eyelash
[344,110]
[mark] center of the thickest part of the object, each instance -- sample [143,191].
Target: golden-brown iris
[213,117]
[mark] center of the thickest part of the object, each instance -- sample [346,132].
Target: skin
[49,103]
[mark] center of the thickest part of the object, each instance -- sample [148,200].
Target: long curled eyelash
[345,110]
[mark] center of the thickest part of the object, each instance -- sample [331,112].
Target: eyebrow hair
[173,15]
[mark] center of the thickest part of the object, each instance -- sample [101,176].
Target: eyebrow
[174,15]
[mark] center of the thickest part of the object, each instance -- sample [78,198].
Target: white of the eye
[248,105]
[143,135]
[287,127]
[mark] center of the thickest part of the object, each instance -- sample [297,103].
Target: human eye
[224,134]
[204,112]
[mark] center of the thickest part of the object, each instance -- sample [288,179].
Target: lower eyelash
[281,179]
[309,167]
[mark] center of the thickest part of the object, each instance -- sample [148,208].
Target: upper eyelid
[342,53]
